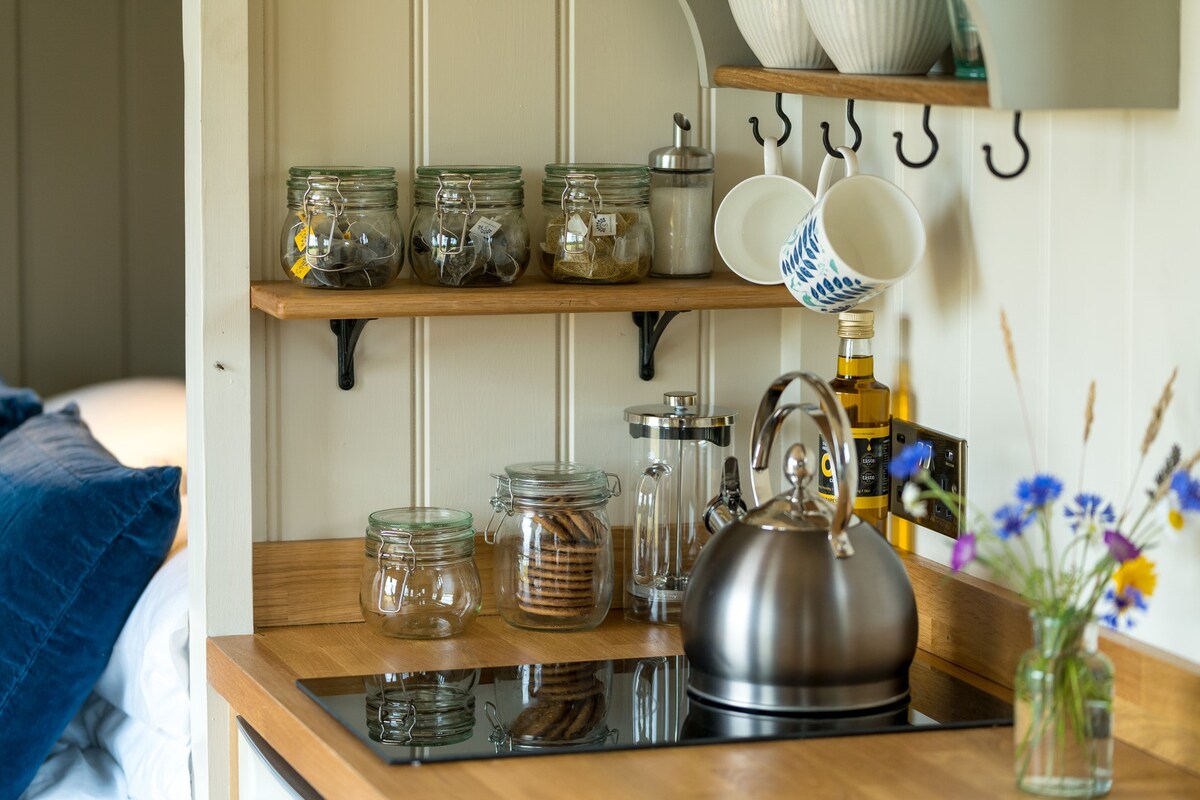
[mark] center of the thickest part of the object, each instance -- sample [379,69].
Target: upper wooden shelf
[941,90]
[529,295]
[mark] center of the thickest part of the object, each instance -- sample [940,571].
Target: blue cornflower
[1040,491]
[1011,520]
[1184,496]
[911,460]
[1123,604]
[1087,511]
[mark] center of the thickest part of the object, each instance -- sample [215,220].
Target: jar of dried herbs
[598,226]
[469,226]
[341,231]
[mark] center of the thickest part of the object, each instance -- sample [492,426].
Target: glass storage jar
[469,226]
[419,579]
[553,560]
[598,225]
[341,230]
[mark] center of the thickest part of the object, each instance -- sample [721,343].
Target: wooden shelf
[530,295]
[941,90]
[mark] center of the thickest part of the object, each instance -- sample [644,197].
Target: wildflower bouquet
[1063,687]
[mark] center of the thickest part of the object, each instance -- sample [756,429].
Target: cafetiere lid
[680,416]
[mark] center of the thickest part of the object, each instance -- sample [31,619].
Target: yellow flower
[1137,573]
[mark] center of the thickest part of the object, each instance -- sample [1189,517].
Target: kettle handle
[833,424]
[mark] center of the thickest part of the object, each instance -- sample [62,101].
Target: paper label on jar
[301,267]
[302,238]
[604,224]
[485,228]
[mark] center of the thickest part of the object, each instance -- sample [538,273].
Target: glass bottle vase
[1063,695]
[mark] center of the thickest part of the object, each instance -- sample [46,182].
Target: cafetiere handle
[833,424]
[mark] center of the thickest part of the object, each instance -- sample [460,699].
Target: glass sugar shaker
[681,206]
[419,579]
[553,558]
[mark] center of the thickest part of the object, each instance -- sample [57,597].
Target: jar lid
[298,177]
[426,524]
[615,181]
[485,172]
[534,479]
[680,409]
[356,187]
[682,156]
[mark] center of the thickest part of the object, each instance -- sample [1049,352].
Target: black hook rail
[987,152]
[787,123]
[933,142]
[853,126]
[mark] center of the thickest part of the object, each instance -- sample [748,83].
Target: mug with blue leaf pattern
[863,235]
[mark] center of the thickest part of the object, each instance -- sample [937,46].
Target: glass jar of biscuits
[541,707]
[598,225]
[553,558]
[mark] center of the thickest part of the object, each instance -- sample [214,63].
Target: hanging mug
[863,235]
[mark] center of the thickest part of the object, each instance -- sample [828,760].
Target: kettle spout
[728,506]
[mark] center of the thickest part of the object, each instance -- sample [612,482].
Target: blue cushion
[16,406]
[80,537]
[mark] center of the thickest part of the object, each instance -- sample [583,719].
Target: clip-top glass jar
[341,231]
[421,709]
[469,226]
[553,562]
[419,579]
[598,226]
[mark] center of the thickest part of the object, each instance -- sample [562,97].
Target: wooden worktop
[257,673]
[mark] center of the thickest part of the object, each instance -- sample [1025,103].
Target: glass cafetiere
[678,451]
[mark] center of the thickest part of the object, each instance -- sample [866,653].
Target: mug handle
[771,156]
[851,159]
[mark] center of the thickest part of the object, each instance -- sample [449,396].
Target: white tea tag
[485,228]
[604,224]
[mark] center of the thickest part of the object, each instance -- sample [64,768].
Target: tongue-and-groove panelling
[440,403]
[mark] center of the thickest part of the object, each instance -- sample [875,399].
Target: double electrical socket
[947,467]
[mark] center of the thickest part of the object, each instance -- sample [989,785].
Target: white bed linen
[131,738]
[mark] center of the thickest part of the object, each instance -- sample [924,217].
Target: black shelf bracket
[651,325]
[347,332]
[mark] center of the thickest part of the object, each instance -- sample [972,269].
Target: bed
[103,639]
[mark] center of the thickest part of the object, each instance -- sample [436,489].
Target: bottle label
[874,445]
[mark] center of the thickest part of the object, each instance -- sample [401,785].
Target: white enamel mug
[756,217]
[863,235]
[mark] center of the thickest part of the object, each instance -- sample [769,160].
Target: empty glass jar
[421,709]
[341,231]
[469,226]
[598,225]
[553,558]
[419,579]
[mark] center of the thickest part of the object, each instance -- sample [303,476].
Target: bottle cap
[682,156]
[856,324]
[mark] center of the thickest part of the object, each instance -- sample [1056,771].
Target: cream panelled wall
[440,403]
[1090,252]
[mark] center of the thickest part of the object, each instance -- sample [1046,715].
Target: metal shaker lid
[680,411]
[682,156]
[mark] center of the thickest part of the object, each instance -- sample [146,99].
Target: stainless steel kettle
[797,605]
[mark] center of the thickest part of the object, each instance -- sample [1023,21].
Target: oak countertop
[256,674]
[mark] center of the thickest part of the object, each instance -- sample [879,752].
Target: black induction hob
[587,706]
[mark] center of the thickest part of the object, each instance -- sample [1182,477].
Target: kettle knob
[834,425]
[679,399]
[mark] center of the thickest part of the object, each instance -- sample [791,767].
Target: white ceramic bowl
[778,33]
[881,37]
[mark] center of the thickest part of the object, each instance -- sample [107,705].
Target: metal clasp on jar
[313,250]
[449,199]
[502,504]
[408,559]
[581,193]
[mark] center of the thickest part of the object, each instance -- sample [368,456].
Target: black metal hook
[853,126]
[987,150]
[787,123]
[933,141]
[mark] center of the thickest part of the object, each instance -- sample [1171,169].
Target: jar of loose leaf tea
[598,226]
[469,226]
[341,231]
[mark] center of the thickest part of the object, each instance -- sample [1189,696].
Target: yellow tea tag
[302,238]
[301,268]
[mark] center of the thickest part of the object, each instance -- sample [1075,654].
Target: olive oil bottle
[868,405]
